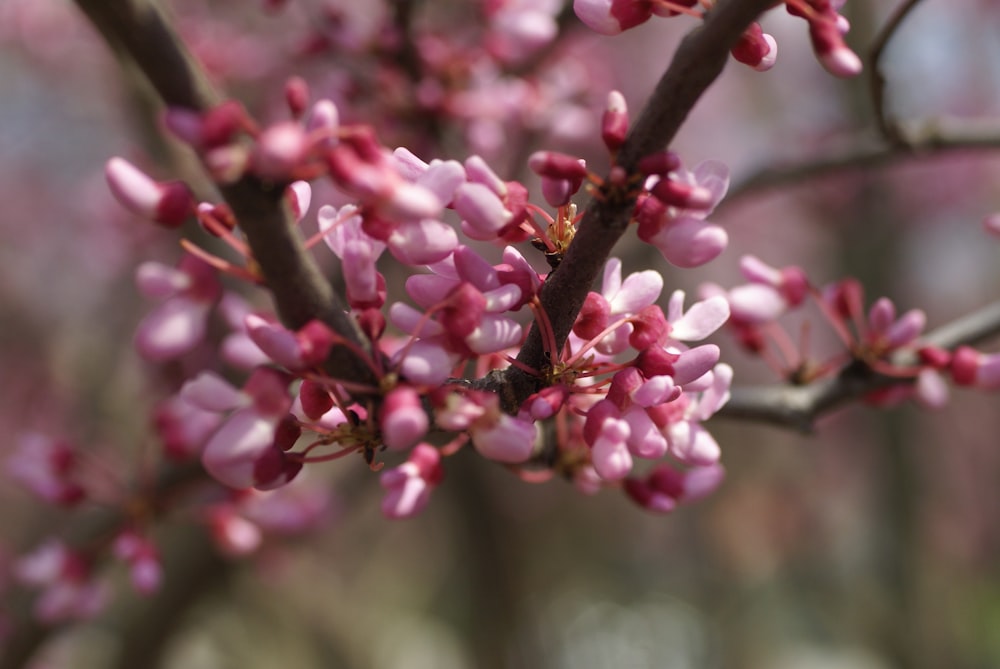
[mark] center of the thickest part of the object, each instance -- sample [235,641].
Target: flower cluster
[624,385]
[878,339]
[755,48]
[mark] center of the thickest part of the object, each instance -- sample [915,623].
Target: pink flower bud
[296,95]
[650,327]
[614,121]
[832,52]
[504,438]
[682,195]
[408,487]
[482,209]
[167,203]
[593,317]
[756,49]
[315,399]
[695,363]
[279,150]
[404,420]
[610,17]
[659,163]
[555,165]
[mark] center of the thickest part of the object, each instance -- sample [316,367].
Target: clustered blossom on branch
[625,385]
[879,339]
[618,403]
[756,48]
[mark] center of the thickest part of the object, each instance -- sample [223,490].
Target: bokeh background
[872,543]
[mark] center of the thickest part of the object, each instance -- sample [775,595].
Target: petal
[702,319]
[639,290]
[173,329]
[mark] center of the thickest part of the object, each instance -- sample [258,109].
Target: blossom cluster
[625,384]
[755,48]
[879,339]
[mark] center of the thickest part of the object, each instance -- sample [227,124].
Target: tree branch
[877,84]
[798,407]
[931,138]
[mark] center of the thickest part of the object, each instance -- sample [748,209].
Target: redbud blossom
[168,203]
[296,95]
[47,468]
[832,52]
[969,367]
[296,351]
[404,421]
[756,48]
[614,121]
[178,324]
[279,150]
[610,17]
[408,487]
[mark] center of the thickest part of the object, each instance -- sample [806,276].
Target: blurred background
[872,543]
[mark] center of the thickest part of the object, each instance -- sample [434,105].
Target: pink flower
[167,203]
[664,486]
[610,17]
[68,589]
[674,220]
[47,468]
[244,452]
[307,347]
[178,324]
[408,487]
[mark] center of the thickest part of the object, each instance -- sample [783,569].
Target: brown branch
[139,32]
[699,59]
[932,139]
[877,84]
[799,407]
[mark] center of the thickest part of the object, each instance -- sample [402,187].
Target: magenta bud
[964,365]
[280,149]
[220,124]
[756,49]
[614,121]
[168,203]
[316,400]
[659,163]
[557,165]
[404,421]
[831,51]
[593,316]
[681,195]
[296,95]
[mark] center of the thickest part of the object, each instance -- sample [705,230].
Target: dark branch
[934,138]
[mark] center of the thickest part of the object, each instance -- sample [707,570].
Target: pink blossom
[167,203]
[404,420]
[183,428]
[610,17]
[143,560]
[68,589]
[674,221]
[178,324]
[307,347]
[408,486]
[47,468]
